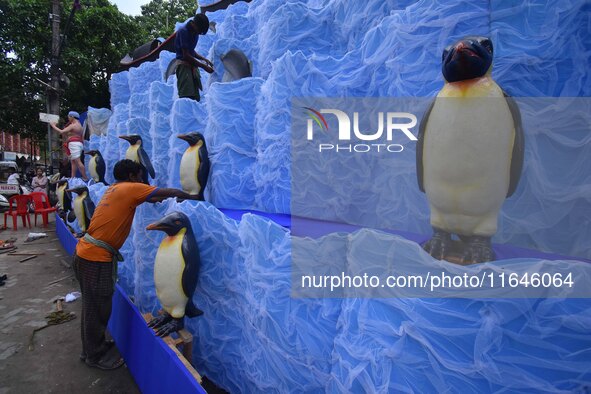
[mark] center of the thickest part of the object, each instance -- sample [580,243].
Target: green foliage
[22,23]
[159,16]
[99,36]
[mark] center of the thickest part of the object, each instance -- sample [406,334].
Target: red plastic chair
[42,206]
[18,206]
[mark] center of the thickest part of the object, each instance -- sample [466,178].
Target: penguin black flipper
[190,273]
[203,172]
[67,201]
[71,216]
[62,185]
[518,146]
[88,206]
[191,310]
[145,161]
[420,143]
[100,169]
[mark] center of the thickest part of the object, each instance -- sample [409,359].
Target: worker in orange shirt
[95,261]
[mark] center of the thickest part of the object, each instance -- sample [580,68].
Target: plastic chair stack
[18,206]
[42,206]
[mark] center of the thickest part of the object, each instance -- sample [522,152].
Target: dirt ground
[26,298]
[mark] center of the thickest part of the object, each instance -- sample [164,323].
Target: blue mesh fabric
[253,336]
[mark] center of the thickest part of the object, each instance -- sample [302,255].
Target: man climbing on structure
[189,61]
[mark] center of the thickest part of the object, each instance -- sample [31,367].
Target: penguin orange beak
[124,137]
[161,225]
[155,226]
[183,137]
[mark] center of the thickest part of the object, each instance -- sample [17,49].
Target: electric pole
[53,93]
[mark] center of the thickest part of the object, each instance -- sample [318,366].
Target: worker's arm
[203,59]
[187,56]
[164,193]
[65,130]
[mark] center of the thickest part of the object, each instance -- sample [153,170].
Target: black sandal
[106,365]
[109,343]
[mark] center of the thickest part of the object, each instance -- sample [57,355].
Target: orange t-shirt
[112,219]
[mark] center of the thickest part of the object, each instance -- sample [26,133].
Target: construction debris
[60,279]
[35,236]
[54,318]
[27,258]
[25,253]
[8,250]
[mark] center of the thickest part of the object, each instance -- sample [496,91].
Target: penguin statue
[96,166]
[137,153]
[177,257]
[83,207]
[469,152]
[195,165]
[64,198]
[64,202]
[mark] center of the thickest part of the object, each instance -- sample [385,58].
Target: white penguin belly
[79,211]
[466,163]
[60,196]
[92,169]
[168,275]
[188,171]
[131,153]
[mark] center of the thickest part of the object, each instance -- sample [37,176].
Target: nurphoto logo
[389,123]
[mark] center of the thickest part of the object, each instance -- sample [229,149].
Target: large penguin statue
[83,207]
[96,166]
[177,257]
[195,165]
[137,153]
[469,152]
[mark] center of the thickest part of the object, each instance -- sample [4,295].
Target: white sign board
[48,118]
[10,156]
[8,189]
